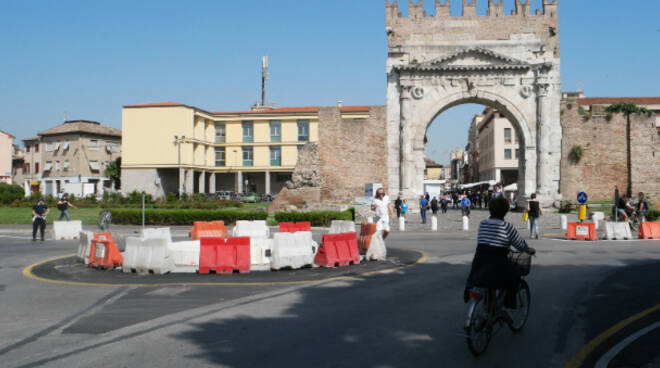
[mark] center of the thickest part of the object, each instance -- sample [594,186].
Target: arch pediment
[469,59]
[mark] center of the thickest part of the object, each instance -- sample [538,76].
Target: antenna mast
[264,77]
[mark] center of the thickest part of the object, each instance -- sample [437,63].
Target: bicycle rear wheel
[478,331]
[520,314]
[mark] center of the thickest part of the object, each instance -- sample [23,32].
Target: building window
[303,130]
[300,147]
[220,132]
[275,156]
[93,145]
[66,146]
[26,168]
[219,157]
[66,165]
[57,166]
[517,153]
[94,165]
[248,131]
[49,147]
[36,167]
[275,131]
[507,135]
[27,148]
[36,147]
[247,156]
[49,165]
[507,154]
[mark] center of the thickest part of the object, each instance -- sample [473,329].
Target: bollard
[596,217]
[466,223]
[564,222]
[402,223]
[370,220]
[434,223]
[582,212]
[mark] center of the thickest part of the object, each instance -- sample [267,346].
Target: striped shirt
[501,234]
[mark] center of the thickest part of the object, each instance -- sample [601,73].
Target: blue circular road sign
[582,198]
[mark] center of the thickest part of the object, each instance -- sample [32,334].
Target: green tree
[627,109]
[113,171]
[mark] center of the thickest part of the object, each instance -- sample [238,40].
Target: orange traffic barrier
[581,231]
[366,231]
[292,227]
[224,256]
[337,250]
[104,252]
[649,230]
[204,229]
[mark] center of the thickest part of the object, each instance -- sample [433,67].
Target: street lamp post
[178,142]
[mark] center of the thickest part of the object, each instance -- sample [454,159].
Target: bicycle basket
[522,261]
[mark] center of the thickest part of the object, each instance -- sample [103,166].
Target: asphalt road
[412,317]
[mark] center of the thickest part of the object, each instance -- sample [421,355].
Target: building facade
[191,150]
[6,155]
[74,156]
[32,166]
[498,148]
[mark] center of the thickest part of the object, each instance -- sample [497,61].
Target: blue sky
[89,58]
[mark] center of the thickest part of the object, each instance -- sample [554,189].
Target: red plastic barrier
[366,231]
[649,230]
[204,229]
[224,256]
[338,250]
[292,227]
[581,231]
[104,252]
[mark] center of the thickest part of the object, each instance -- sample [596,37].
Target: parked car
[252,198]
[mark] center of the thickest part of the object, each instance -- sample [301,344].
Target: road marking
[16,237]
[577,359]
[605,360]
[27,272]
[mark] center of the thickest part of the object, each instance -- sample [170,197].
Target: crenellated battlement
[522,9]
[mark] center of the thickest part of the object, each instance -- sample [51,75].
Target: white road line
[605,360]
[15,237]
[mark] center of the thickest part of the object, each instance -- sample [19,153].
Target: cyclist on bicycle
[624,208]
[491,267]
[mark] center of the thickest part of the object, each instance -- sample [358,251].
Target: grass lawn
[23,215]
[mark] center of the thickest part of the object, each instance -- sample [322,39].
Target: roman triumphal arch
[508,62]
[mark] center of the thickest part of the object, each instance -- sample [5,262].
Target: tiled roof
[10,136]
[35,138]
[82,126]
[431,163]
[291,110]
[157,104]
[613,100]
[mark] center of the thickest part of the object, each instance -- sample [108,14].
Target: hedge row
[316,218]
[653,215]
[181,217]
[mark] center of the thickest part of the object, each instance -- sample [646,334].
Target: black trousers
[38,224]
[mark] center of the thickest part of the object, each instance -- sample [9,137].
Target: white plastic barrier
[256,228]
[84,245]
[293,250]
[617,231]
[150,255]
[434,223]
[159,232]
[377,250]
[563,222]
[596,217]
[260,253]
[370,220]
[402,223]
[67,230]
[185,255]
[466,223]
[338,227]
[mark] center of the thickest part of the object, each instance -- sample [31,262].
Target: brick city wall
[604,161]
[353,153]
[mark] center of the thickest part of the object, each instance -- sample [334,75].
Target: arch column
[406,160]
[543,170]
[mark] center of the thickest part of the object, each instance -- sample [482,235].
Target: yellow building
[170,147]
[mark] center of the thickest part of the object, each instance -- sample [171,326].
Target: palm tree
[627,109]
[113,171]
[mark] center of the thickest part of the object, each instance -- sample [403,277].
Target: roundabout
[68,270]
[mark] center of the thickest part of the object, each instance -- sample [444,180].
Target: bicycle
[486,314]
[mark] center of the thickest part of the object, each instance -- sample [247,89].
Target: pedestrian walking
[63,205]
[383,208]
[423,207]
[534,212]
[444,202]
[642,206]
[454,200]
[404,209]
[465,206]
[434,205]
[39,212]
[397,206]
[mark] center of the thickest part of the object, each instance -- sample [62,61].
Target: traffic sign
[582,198]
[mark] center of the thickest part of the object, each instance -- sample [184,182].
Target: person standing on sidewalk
[534,212]
[465,205]
[397,206]
[434,206]
[383,208]
[63,205]
[39,212]
[423,207]
[404,209]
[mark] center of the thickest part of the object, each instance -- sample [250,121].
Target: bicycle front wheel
[478,331]
[520,314]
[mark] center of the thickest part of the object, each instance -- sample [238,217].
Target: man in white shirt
[383,208]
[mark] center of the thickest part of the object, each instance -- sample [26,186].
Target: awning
[94,165]
[66,165]
[511,188]
[57,146]
[49,165]
[34,182]
[472,185]
[66,146]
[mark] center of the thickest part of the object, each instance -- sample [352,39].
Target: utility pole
[264,77]
[178,142]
